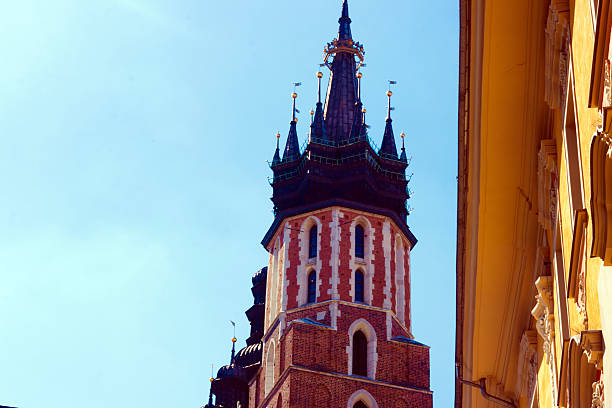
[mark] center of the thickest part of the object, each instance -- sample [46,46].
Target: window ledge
[311,261]
[360,261]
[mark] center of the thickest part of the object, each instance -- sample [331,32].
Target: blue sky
[133,181]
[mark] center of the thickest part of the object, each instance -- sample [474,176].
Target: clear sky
[133,181]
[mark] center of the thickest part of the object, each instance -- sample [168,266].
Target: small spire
[359,76]
[210,394]
[292,148]
[233,350]
[364,128]
[317,126]
[344,33]
[319,76]
[276,160]
[403,155]
[387,148]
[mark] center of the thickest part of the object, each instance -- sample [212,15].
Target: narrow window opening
[312,246]
[360,354]
[312,287]
[359,242]
[359,286]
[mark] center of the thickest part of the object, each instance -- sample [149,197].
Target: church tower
[336,318]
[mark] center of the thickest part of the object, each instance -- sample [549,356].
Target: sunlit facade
[534,251]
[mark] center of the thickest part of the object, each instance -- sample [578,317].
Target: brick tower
[336,322]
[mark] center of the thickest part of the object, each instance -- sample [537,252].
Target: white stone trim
[387,251]
[334,262]
[370,333]
[364,264]
[362,395]
[269,373]
[306,264]
[400,272]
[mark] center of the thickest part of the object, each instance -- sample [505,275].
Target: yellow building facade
[534,248]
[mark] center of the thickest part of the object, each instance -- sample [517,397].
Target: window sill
[360,261]
[311,261]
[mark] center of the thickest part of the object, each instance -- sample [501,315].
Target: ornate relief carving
[557,53]
[527,376]
[543,312]
[547,184]
[598,394]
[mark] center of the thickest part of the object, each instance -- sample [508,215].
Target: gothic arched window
[359,286]
[360,404]
[360,354]
[312,242]
[312,287]
[359,242]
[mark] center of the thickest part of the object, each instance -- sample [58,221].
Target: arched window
[270,357]
[360,354]
[312,242]
[359,242]
[360,404]
[312,287]
[359,286]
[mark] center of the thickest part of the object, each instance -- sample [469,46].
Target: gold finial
[234,340]
[403,135]
[296,120]
[294,95]
[359,75]
[278,135]
[212,379]
[363,110]
[311,112]
[389,93]
[319,75]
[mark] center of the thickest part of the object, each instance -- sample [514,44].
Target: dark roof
[408,340]
[339,162]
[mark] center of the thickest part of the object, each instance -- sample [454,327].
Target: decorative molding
[548,184]
[543,313]
[557,53]
[601,196]
[592,343]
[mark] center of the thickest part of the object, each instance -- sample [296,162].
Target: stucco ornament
[545,325]
[598,394]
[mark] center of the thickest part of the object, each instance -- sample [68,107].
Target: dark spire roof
[342,88]
[403,157]
[276,160]
[292,148]
[318,132]
[388,149]
[344,33]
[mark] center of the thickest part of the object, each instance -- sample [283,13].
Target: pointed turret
[276,160]
[403,157]
[388,150]
[342,88]
[317,127]
[292,148]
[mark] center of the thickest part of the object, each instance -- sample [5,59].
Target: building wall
[536,100]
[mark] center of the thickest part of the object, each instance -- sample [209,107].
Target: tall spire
[388,149]
[344,33]
[342,88]
[292,148]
